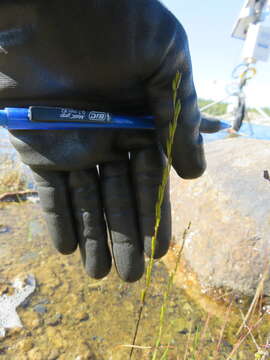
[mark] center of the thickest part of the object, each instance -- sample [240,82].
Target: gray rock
[41,309]
[229,208]
[4,229]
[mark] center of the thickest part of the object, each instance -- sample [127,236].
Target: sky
[214,52]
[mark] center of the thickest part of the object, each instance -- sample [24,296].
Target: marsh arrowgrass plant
[160,198]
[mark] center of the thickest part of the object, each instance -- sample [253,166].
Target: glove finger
[119,202]
[55,201]
[90,222]
[147,171]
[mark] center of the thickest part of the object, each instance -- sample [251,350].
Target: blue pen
[53,118]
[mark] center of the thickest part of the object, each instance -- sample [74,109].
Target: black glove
[114,56]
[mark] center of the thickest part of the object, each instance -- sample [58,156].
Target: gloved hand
[115,56]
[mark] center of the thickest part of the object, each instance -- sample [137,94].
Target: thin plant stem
[196,341]
[202,338]
[222,331]
[166,294]
[163,357]
[243,338]
[188,342]
[161,192]
[255,301]
[247,327]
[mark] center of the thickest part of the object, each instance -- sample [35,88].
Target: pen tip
[224,125]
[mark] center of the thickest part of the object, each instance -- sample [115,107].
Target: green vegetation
[267,110]
[221,108]
[215,110]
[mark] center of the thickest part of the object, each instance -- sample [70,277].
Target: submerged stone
[4,229]
[41,309]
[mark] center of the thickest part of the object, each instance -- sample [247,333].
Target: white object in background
[8,303]
[257,44]
[253,11]
[232,106]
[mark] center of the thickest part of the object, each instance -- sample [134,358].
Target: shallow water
[13,173]
[73,317]
[249,130]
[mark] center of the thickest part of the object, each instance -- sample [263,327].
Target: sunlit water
[71,317]
[249,130]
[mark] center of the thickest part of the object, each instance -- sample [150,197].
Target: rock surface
[229,208]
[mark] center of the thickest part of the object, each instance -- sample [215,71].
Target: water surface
[71,316]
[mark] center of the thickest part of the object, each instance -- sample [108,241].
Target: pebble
[58,340]
[187,308]
[266,309]
[4,289]
[4,229]
[62,357]
[84,353]
[181,325]
[14,331]
[82,316]
[44,301]
[54,320]
[35,354]
[41,309]
[35,323]
[25,345]
[54,354]
[32,320]
[97,338]
[26,303]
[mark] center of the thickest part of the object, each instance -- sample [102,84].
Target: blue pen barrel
[3,118]
[53,118]
[16,116]
[48,118]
